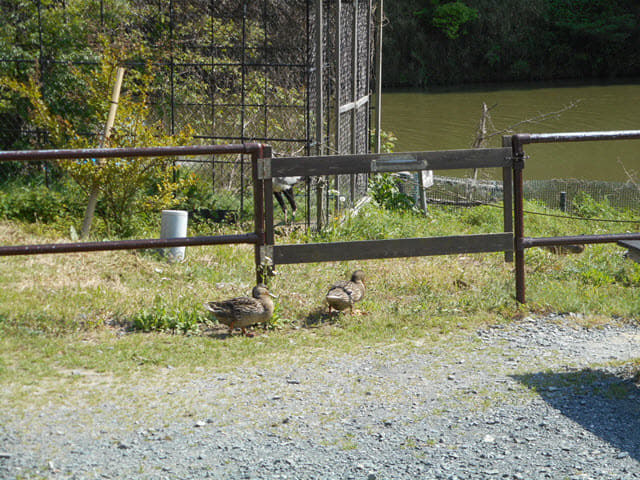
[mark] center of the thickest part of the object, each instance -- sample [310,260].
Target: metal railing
[256,238]
[264,168]
[521,242]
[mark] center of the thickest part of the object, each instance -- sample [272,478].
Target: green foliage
[62,92]
[591,35]
[484,217]
[68,33]
[597,277]
[198,194]
[629,274]
[387,141]
[586,206]
[129,187]
[522,40]
[376,222]
[165,317]
[38,204]
[450,17]
[384,189]
[601,20]
[278,321]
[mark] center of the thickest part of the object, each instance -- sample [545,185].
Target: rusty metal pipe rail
[127,244]
[25,155]
[524,138]
[522,242]
[529,242]
[257,238]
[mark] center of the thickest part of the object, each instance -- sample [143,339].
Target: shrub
[128,187]
[385,191]
[586,206]
[38,204]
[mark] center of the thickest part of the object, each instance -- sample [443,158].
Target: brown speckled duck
[344,294]
[243,312]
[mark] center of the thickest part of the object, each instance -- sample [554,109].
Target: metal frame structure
[295,74]
[256,150]
[521,242]
[265,167]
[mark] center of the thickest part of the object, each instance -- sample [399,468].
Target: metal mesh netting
[566,195]
[234,70]
[342,87]
[463,191]
[621,196]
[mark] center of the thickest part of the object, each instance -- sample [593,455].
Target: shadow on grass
[317,318]
[320,317]
[604,404]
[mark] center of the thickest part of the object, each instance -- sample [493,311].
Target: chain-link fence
[571,196]
[295,74]
[342,50]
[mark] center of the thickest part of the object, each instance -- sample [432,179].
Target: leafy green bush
[451,18]
[38,204]
[385,191]
[128,186]
[198,194]
[387,141]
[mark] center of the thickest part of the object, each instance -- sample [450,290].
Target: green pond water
[443,120]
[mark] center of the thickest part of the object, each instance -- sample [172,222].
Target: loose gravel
[538,398]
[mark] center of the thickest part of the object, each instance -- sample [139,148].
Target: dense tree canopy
[442,42]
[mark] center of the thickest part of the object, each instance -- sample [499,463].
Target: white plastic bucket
[174,225]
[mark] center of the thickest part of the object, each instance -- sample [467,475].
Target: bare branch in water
[630,175]
[534,120]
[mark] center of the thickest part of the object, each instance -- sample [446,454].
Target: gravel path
[540,398]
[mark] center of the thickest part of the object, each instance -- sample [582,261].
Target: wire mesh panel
[563,194]
[291,73]
[588,200]
[343,47]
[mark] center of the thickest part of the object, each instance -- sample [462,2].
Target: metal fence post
[262,213]
[518,191]
[507,198]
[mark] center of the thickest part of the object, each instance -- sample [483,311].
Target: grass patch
[130,313]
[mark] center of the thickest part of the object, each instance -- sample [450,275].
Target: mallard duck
[344,294]
[243,312]
[284,185]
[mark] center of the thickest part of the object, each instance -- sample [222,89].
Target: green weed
[165,318]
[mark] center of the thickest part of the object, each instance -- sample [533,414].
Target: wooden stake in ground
[93,195]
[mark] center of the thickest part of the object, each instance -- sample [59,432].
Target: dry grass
[61,313]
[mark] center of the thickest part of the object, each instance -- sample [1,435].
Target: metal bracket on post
[397,163]
[266,255]
[264,168]
[266,268]
[517,151]
[518,161]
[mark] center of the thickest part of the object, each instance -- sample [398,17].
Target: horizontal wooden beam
[393,248]
[390,162]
